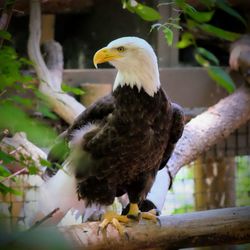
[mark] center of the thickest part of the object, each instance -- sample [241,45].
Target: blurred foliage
[20,99]
[73,90]
[145,12]
[243,181]
[37,239]
[194,23]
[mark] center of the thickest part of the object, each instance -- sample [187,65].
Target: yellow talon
[149,216]
[113,218]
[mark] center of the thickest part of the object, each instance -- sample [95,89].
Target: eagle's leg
[134,211]
[113,218]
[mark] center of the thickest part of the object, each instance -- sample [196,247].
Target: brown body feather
[133,138]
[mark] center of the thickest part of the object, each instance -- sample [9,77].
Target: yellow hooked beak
[105,55]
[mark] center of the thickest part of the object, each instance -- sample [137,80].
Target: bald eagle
[118,144]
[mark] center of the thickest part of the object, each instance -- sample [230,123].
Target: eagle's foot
[150,215]
[135,214]
[113,218]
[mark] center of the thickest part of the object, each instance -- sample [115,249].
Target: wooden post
[214,182]
[48,28]
[215,185]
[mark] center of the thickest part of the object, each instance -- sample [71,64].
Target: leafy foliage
[145,12]
[20,99]
[195,22]
[73,90]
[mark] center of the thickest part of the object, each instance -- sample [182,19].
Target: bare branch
[50,79]
[45,218]
[13,175]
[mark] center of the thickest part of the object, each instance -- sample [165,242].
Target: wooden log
[204,228]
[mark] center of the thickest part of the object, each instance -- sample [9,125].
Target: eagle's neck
[143,76]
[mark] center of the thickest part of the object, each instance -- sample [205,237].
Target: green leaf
[213,30]
[222,78]
[5,189]
[224,5]
[16,120]
[201,60]
[6,158]
[198,16]
[168,34]
[33,170]
[223,34]
[73,90]
[187,39]
[208,55]
[26,61]
[147,13]
[46,112]
[5,35]
[44,162]
[21,100]
[4,171]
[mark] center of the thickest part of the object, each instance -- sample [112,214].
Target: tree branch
[24,146]
[205,130]
[204,228]
[50,79]
[41,221]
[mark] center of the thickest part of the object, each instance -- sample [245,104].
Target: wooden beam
[204,228]
[190,86]
[54,6]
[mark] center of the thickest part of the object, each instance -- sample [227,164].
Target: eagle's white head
[135,61]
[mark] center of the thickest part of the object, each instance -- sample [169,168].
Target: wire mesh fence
[183,197]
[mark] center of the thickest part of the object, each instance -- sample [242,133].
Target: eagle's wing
[94,113]
[175,132]
[156,197]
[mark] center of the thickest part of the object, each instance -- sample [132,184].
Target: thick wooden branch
[50,78]
[207,129]
[206,228]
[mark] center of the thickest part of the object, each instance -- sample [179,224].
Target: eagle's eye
[120,49]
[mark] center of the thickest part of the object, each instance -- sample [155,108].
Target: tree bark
[206,228]
[50,78]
